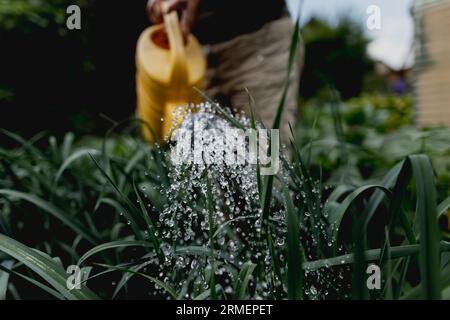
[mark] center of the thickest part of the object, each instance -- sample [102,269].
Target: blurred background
[380,93]
[58,80]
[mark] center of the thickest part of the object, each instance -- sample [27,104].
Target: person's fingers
[188,18]
[178,5]
[187,10]
[181,6]
[154,11]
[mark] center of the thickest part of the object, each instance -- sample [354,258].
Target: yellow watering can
[167,71]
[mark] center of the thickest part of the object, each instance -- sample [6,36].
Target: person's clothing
[256,61]
[223,20]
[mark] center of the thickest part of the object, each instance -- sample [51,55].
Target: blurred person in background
[247,46]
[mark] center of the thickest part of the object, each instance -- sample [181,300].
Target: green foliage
[385,113]
[59,201]
[377,132]
[334,55]
[27,15]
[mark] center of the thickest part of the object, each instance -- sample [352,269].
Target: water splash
[184,225]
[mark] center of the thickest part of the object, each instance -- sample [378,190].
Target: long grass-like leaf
[149,223]
[443,207]
[42,286]
[417,292]
[45,267]
[429,232]
[378,196]
[287,81]
[243,280]
[159,283]
[336,216]
[205,294]
[130,215]
[294,251]
[370,255]
[210,207]
[4,278]
[72,158]
[359,265]
[127,276]
[53,210]
[113,245]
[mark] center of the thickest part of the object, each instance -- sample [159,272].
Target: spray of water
[210,223]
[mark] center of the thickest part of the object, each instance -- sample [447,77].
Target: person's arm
[187,10]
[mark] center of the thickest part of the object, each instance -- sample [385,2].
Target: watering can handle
[178,61]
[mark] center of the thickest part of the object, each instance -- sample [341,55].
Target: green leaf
[443,207]
[378,196]
[112,245]
[417,292]
[127,276]
[336,216]
[386,265]
[4,278]
[243,280]
[429,232]
[27,145]
[399,204]
[267,199]
[166,287]
[45,267]
[253,126]
[402,278]
[194,250]
[205,294]
[287,81]
[69,138]
[53,210]
[42,286]
[149,223]
[130,216]
[210,206]
[370,255]
[294,251]
[359,265]
[121,210]
[72,158]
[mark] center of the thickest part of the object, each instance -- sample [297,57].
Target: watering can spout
[166,76]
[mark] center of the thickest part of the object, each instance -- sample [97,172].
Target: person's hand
[187,10]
